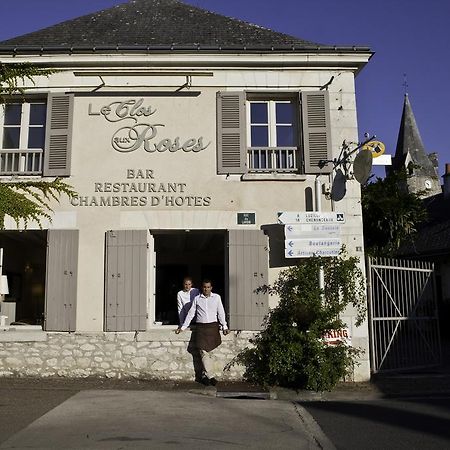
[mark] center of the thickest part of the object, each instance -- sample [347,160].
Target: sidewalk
[91,414]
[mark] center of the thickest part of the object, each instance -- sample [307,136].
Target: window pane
[36,137]
[12,114]
[37,114]
[11,137]
[258,113]
[260,137]
[285,137]
[285,112]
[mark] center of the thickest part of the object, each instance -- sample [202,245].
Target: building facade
[184,134]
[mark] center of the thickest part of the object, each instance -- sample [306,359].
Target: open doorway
[199,254]
[24,263]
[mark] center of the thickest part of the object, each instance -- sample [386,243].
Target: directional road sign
[298,231]
[304,248]
[310,217]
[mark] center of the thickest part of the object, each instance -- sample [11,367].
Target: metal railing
[272,159]
[21,162]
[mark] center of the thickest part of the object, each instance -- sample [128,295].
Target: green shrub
[290,350]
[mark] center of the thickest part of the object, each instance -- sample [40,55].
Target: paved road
[64,418]
[403,423]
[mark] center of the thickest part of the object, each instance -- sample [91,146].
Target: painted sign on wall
[137,131]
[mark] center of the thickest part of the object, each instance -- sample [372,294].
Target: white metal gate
[403,318]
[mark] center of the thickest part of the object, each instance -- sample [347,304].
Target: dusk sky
[409,37]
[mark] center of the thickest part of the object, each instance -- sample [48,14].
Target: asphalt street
[393,424]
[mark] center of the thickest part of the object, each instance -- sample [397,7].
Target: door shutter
[247,271]
[58,135]
[61,280]
[316,131]
[126,280]
[231,126]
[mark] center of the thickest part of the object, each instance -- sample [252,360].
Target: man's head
[187,283]
[206,288]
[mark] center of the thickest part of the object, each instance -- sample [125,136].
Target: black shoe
[205,381]
[213,381]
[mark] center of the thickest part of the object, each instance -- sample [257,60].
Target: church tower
[422,169]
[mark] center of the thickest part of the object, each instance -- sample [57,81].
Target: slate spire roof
[410,143]
[157,24]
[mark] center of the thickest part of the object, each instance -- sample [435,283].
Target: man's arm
[179,302]
[189,316]
[221,315]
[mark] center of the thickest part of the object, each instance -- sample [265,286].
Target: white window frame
[17,161]
[273,156]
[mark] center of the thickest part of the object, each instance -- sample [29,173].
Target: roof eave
[175,48]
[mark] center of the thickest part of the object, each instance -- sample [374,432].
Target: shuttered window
[126,280]
[283,133]
[61,280]
[231,147]
[247,260]
[316,131]
[58,135]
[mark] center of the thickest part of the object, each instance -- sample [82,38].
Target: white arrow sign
[304,248]
[310,217]
[293,231]
[298,253]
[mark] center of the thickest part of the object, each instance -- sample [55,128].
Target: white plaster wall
[95,161]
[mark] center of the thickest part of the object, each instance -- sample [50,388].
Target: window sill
[274,176]
[13,334]
[167,334]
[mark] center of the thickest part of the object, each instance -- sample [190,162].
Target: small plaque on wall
[246,218]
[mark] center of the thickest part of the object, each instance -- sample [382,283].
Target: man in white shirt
[208,309]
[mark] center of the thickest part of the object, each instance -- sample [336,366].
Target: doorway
[199,254]
[24,264]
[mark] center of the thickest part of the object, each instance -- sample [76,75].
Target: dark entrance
[24,263]
[199,254]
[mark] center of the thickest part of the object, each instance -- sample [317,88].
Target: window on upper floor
[35,136]
[272,134]
[278,133]
[23,138]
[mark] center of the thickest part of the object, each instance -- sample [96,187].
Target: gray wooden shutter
[247,270]
[61,280]
[231,132]
[126,280]
[58,135]
[316,131]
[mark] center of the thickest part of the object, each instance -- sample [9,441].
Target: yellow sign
[376,147]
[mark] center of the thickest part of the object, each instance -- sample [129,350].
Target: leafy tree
[391,215]
[13,76]
[26,200]
[30,200]
[290,350]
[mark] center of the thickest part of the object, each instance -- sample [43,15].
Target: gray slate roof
[157,24]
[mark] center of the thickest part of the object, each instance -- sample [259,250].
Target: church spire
[411,155]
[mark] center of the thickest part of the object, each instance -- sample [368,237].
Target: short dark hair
[207,280]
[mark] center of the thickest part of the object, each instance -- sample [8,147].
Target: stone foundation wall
[159,354]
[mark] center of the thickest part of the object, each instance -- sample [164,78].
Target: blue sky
[409,37]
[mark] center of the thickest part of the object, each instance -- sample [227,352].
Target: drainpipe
[318,204]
